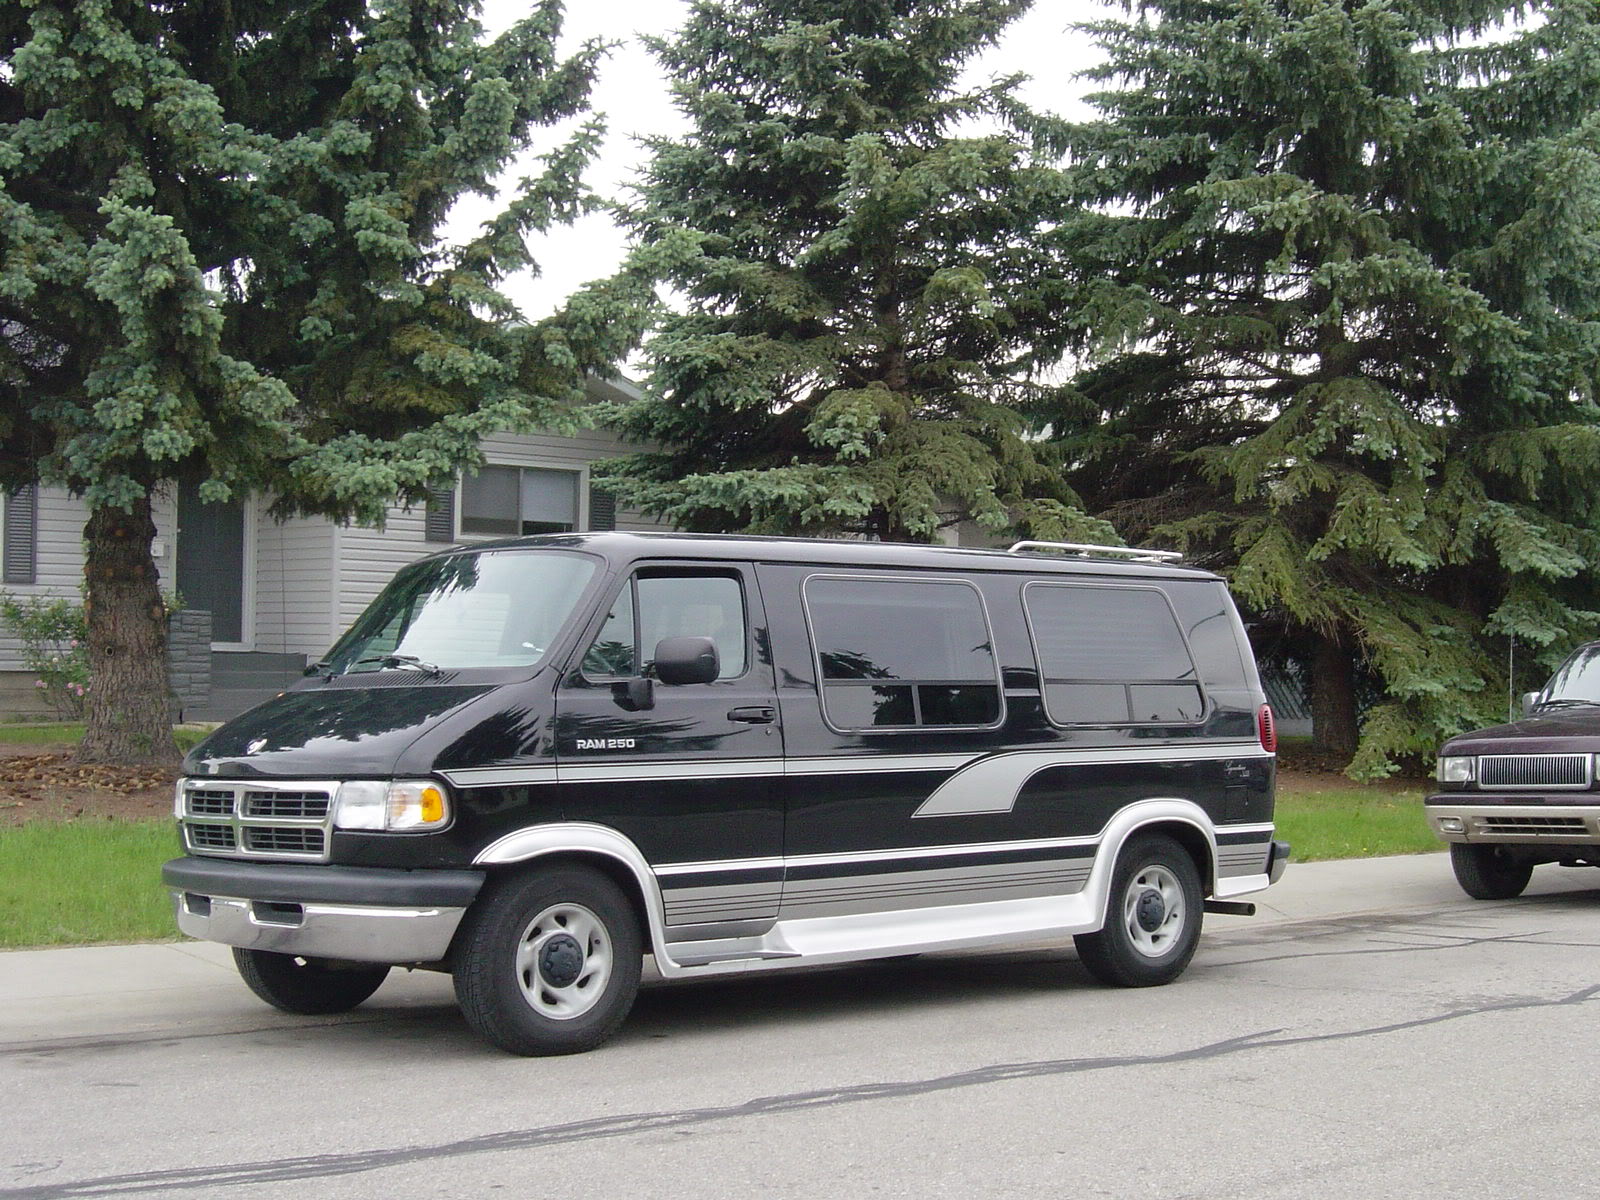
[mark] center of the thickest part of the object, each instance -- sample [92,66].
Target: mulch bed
[46,783]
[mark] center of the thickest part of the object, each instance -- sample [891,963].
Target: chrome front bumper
[363,914]
[1466,817]
[359,933]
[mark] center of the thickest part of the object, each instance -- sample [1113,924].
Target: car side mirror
[1529,699]
[687,660]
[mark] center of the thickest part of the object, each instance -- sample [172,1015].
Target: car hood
[331,733]
[1562,731]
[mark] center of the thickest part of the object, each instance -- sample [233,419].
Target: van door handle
[759,714]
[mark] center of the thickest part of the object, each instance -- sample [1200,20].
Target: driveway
[1371,1033]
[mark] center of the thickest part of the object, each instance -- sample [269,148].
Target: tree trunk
[130,717]
[1333,700]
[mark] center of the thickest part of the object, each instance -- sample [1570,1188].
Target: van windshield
[500,608]
[1576,681]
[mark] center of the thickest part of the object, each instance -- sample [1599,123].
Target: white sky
[632,93]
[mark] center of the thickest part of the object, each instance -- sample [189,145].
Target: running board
[1232,908]
[732,956]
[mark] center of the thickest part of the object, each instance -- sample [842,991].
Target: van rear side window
[1111,655]
[903,654]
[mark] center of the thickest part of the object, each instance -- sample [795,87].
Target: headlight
[404,804]
[177,800]
[1457,768]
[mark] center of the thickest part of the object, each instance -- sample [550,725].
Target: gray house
[278,593]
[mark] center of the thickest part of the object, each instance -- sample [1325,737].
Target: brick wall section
[189,657]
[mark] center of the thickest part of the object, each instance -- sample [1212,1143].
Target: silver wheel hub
[563,962]
[1153,911]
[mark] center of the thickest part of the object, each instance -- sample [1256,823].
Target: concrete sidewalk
[148,992]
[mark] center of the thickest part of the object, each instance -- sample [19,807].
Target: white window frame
[581,473]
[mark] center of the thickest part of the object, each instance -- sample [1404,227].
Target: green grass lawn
[1353,822]
[75,882]
[82,882]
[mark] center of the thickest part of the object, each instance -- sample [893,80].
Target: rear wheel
[1152,918]
[312,986]
[549,962]
[1488,872]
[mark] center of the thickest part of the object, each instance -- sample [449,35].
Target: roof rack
[1133,553]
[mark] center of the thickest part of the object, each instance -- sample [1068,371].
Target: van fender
[582,837]
[1129,821]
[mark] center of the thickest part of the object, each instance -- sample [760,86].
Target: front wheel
[1152,918]
[1488,872]
[549,962]
[310,986]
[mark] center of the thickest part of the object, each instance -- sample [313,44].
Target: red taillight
[1267,728]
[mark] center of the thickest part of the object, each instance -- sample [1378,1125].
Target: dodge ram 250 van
[530,763]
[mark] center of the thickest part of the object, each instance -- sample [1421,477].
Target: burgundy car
[1513,796]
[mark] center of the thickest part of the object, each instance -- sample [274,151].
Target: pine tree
[851,240]
[221,263]
[1338,303]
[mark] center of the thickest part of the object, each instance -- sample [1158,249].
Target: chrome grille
[209,803]
[256,819]
[1538,826]
[274,839]
[294,806]
[209,837]
[1535,770]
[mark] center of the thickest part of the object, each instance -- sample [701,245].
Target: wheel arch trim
[1137,818]
[586,838]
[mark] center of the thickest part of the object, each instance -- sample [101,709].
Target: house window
[519,500]
[1111,655]
[903,654]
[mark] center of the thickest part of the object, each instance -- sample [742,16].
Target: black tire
[1127,951]
[311,986]
[514,973]
[1488,872]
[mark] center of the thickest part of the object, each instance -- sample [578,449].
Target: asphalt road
[1372,1034]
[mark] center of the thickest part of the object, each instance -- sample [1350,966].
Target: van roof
[619,546]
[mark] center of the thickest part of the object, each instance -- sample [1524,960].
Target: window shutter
[602,509]
[21,536]
[439,522]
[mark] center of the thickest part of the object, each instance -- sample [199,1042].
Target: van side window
[1111,655]
[652,607]
[903,654]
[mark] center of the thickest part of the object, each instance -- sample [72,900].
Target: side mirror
[687,660]
[1529,699]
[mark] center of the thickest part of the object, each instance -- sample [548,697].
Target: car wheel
[311,986]
[1153,916]
[1488,872]
[548,962]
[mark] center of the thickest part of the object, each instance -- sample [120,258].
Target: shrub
[55,647]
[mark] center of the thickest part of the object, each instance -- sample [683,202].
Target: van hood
[1561,731]
[327,733]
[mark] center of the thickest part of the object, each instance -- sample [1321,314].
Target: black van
[1514,796]
[532,762]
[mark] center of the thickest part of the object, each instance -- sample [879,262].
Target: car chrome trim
[360,933]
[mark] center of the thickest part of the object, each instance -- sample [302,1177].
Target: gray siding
[294,585]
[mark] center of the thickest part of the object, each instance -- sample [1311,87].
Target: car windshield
[1576,681]
[499,608]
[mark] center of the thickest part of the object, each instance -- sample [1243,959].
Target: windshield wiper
[1563,701]
[386,662]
